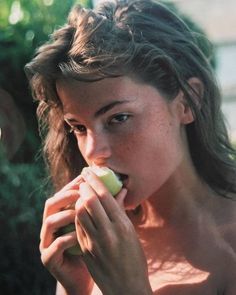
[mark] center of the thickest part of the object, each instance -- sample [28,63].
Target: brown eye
[79,129]
[119,118]
[75,128]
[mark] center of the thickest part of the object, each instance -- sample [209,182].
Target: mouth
[122,177]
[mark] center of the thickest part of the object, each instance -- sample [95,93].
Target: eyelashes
[119,118]
[77,129]
[115,120]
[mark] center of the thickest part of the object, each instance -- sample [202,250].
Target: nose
[97,148]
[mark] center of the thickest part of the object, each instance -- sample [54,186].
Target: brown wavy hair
[145,40]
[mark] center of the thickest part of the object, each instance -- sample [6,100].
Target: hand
[112,251]
[70,271]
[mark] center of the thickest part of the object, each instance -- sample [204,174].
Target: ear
[196,91]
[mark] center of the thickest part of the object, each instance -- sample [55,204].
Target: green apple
[74,250]
[108,177]
[112,183]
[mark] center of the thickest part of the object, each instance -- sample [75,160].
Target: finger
[74,184]
[56,249]
[120,197]
[53,223]
[81,236]
[83,219]
[88,245]
[109,203]
[59,202]
[93,206]
[66,196]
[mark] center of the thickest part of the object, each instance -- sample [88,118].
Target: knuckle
[125,228]
[49,222]
[110,239]
[92,248]
[49,202]
[88,202]
[79,205]
[46,258]
[59,243]
[104,194]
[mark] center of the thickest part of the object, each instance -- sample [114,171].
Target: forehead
[113,86]
[89,96]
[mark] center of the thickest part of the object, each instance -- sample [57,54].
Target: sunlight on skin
[181,273]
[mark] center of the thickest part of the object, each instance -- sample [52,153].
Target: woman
[127,86]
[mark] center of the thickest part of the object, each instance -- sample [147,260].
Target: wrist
[83,290]
[125,290]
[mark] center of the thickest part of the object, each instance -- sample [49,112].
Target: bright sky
[217,17]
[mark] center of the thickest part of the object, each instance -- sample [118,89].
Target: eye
[78,129]
[119,118]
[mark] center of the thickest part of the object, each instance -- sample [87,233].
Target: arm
[60,290]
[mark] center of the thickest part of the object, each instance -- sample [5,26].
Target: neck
[183,197]
[178,220]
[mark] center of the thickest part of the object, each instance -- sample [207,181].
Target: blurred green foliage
[22,196]
[25,25]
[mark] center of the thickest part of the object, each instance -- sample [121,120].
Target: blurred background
[218,20]
[25,25]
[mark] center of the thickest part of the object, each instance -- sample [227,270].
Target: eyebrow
[102,110]
[108,107]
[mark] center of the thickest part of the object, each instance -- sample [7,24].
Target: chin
[133,200]
[131,203]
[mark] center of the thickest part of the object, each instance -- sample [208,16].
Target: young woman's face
[128,127]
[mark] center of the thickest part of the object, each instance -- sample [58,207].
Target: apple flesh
[112,183]
[108,177]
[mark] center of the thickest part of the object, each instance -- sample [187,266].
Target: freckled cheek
[125,145]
